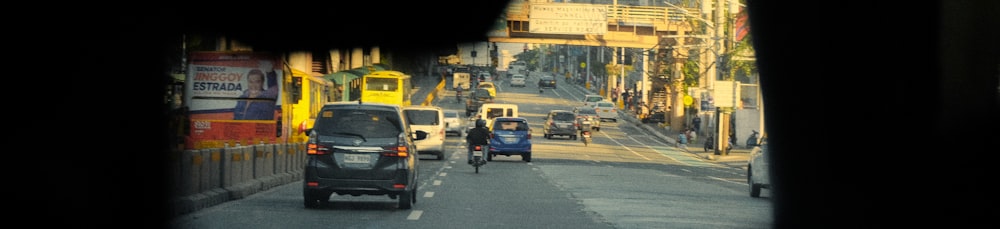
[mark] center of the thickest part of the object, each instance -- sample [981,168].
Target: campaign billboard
[233,97]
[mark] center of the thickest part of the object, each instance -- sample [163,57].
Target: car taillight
[400,150]
[395,151]
[529,136]
[313,148]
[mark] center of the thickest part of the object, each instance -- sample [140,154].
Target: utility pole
[587,73]
[676,85]
[724,116]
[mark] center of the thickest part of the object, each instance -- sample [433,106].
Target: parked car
[655,117]
[606,110]
[546,81]
[510,136]
[518,80]
[757,169]
[560,123]
[591,100]
[453,123]
[587,116]
[489,86]
[431,120]
[359,148]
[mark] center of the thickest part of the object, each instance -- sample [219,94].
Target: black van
[359,148]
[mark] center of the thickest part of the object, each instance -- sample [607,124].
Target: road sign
[725,93]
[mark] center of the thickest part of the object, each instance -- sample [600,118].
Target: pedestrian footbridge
[582,24]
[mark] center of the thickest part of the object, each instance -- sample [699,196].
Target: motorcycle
[585,135]
[477,157]
[709,143]
[752,140]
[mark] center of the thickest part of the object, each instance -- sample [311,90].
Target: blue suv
[510,136]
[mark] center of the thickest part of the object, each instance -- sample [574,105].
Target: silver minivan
[591,100]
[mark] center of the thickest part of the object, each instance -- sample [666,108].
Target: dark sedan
[547,82]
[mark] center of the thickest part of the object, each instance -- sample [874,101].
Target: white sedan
[517,80]
[453,123]
[606,110]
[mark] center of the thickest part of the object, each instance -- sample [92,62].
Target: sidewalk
[737,156]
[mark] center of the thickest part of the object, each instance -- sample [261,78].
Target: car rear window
[605,105]
[366,123]
[510,125]
[422,117]
[564,116]
[482,93]
[594,99]
[587,111]
[450,115]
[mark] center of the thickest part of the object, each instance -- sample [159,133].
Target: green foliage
[615,69]
[741,69]
[691,74]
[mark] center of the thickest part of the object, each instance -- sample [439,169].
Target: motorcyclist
[478,136]
[458,92]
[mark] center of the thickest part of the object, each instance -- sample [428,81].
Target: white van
[488,111]
[429,119]
[492,110]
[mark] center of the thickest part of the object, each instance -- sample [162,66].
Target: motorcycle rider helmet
[480,123]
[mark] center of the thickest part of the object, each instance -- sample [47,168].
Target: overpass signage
[568,18]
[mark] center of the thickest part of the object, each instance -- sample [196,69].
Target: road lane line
[415,215]
[716,178]
[626,147]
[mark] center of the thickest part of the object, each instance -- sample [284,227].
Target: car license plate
[605,110]
[510,139]
[357,158]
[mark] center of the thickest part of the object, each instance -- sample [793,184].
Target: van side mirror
[419,135]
